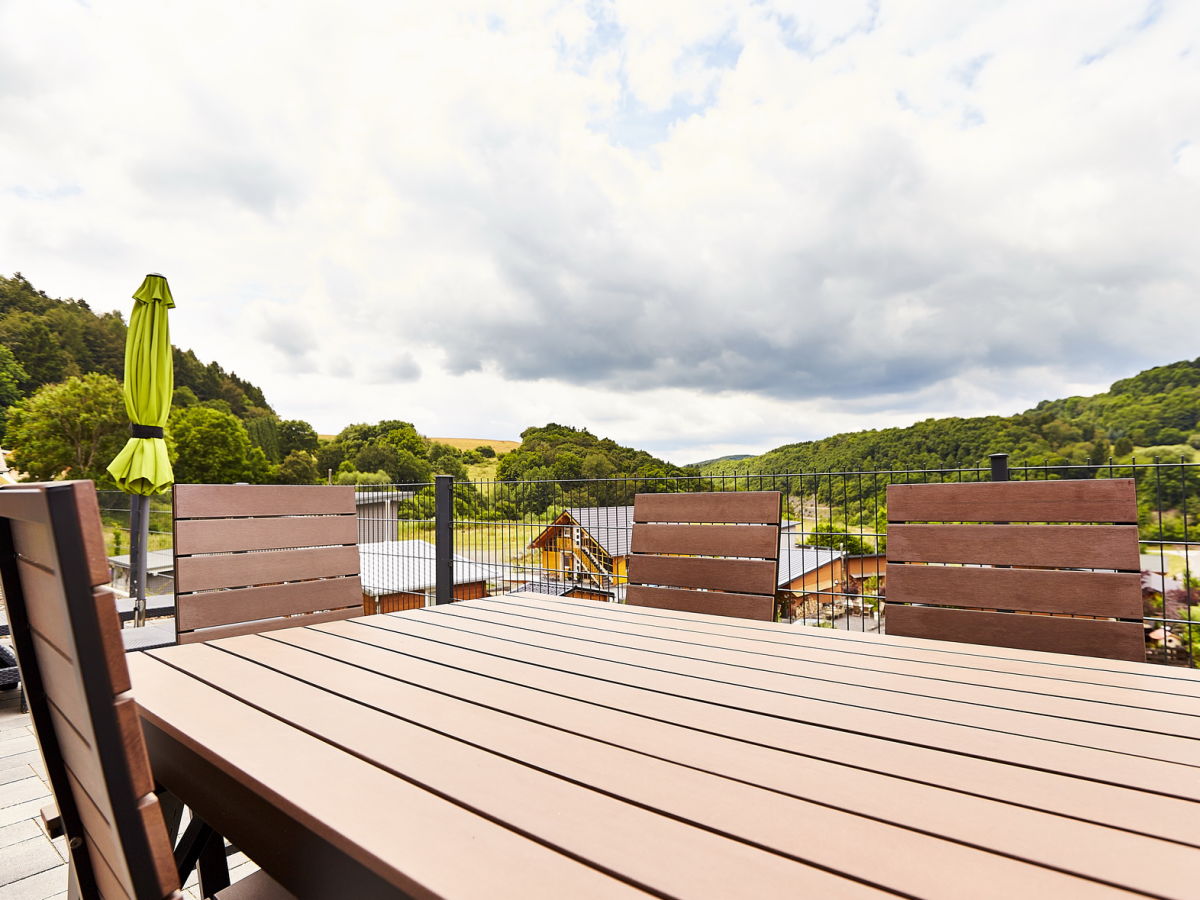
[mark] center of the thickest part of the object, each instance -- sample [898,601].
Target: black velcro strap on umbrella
[145,431]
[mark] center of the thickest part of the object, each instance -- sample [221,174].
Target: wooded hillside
[1155,408]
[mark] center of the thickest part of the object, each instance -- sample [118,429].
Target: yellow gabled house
[587,544]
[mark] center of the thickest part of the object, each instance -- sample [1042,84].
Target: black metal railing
[446,540]
[571,537]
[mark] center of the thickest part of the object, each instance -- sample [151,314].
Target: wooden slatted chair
[714,553]
[53,571]
[253,558]
[1010,583]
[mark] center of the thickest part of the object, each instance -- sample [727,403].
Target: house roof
[1152,562]
[609,526]
[158,562]
[795,562]
[389,567]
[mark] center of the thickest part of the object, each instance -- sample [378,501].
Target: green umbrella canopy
[142,466]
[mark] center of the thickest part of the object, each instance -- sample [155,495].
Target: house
[587,549]
[160,572]
[377,514]
[566,589]
[399,575]
[587,545]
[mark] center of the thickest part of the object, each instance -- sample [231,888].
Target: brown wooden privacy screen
[712,553]
[1011,583]
[252,558]
[73,666]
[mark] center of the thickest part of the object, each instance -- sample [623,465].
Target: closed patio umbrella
[143,468]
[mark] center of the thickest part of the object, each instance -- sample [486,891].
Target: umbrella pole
[139,537]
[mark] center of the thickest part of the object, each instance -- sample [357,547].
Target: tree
[38,348]
[296,434]
[209,446]
[72,429]
[297,467]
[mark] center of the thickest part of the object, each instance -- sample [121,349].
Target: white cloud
[692,226]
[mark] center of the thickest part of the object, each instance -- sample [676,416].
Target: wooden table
[534,747]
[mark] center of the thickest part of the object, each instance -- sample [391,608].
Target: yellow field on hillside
[472,443]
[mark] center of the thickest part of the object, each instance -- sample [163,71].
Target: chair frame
[713,552]
[1001,580]
[78,551]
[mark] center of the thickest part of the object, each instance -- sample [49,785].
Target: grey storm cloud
[256,183]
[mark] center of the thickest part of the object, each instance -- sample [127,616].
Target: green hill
[1159,407]
[44,340]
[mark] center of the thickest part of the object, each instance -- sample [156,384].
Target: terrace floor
[33,867]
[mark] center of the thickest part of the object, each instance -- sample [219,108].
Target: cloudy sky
[696,227]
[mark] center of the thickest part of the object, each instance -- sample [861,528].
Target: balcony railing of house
[431,543]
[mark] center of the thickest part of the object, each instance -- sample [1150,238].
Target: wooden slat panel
[88,507]
[101,833]
[1114,594]
[1081,546]
[242,605]
[1101,500]
[46,607]
[713,603]
[107,881]
[110,635]
[746,576]
[279,533]
[1051,634]
[750,507]
[707,540]
[199,573]
[212,634]
[222,501]
[63,686]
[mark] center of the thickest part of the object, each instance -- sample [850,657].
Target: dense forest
[62,412]
[1159,407]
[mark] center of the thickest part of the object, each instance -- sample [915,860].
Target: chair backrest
[253,558]
[68,641]
[1012,583]
[714,553]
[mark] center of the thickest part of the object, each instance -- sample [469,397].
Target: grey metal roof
[158,562]
[609,526]
[388,567]
[796,561]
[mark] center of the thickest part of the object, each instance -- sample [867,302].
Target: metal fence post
[999,466]
[443,493]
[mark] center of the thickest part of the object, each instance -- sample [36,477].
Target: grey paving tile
[12,814]
[36,887]
[18,831]
[22,743]
[29,758]
[28,858]
[15,773]
[31,788]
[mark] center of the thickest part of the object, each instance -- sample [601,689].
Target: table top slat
[529,746]
[420,852]
[786,642]
[583,823]
[915,711]
[404,685]
[609,686]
